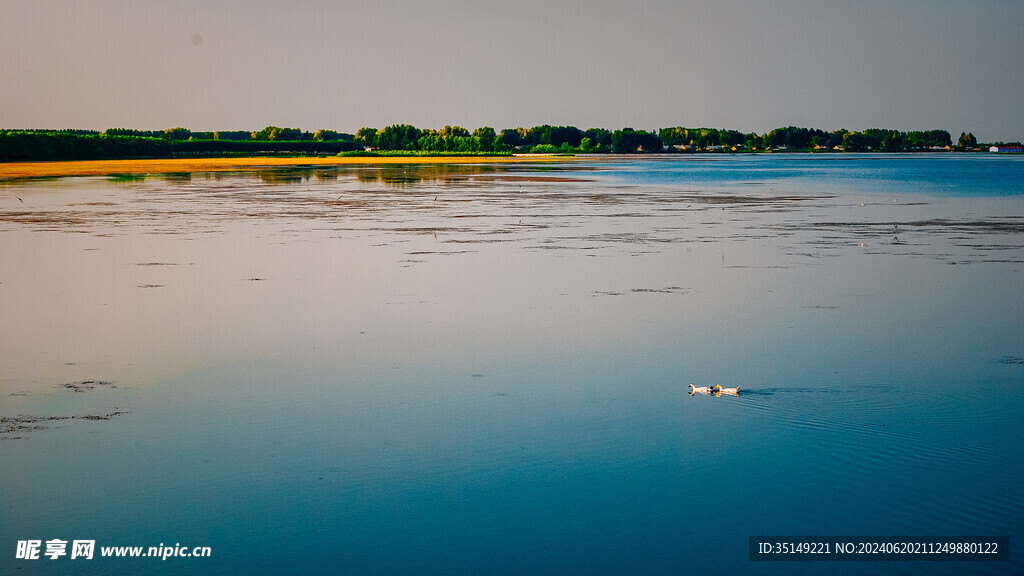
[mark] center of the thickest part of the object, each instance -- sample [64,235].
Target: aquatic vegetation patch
[666,290]
[88,385]
[17,427]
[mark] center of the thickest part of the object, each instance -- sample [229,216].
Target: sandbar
[10,170]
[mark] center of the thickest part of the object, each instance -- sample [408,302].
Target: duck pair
[717,390]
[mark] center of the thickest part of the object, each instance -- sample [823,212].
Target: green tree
[967,141]
[888,145]
[545,149]
[232,135]
[453,132]
[323,135]
[835,138]
[455,139]
[178,133]
[730,137]
[922,140]
[508,139]
[601,138]
[277,133]
[398,137]
[674,136]
[629,141]
[485,137]
[855,142]
[366,136]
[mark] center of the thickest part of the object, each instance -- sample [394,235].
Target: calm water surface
[484,369]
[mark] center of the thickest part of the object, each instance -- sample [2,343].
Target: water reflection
[392,175]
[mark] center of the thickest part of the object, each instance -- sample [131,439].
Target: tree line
[178,141]
[797,138]
[268,134]
[569,139]
[30,145]
[543,139]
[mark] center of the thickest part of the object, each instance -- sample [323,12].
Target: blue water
[484,369]
[936,175]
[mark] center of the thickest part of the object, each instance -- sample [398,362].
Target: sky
[751,66]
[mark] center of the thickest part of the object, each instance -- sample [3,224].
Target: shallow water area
[484,368]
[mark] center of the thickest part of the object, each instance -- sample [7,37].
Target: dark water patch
[64,218]
[811,255]
[521,178]
[946,225]
[88,385]
[991,261]
[18,427]
[476,241]
[427,230]
[992,247]
[725,199]
[666,290]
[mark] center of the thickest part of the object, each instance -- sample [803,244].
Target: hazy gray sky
[751,66]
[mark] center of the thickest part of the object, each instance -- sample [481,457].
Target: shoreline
[50,169]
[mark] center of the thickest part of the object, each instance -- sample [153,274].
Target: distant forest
[27,145]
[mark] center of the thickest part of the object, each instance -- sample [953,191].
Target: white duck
[699,389]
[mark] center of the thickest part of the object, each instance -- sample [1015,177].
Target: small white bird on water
[699,389]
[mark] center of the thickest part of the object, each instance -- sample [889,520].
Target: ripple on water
[904,451]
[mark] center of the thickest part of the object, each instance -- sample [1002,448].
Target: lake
[484,369]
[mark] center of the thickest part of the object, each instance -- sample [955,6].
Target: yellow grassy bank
[157,166]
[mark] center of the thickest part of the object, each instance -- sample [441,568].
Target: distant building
[1006,149]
